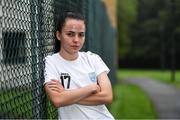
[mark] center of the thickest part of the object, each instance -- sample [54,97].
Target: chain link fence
[27,35]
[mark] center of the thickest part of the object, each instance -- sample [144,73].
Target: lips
[75,46]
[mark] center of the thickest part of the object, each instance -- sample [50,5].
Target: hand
[55,85]
[95,88]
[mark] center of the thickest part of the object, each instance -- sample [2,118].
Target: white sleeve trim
[107,71]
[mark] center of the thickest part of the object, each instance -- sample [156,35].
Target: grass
[163,76]
[16,102]
[130,102]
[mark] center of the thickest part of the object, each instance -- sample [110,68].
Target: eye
[70,34]
[82,34]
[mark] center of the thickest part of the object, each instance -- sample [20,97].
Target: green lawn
[164,76]
[130,102]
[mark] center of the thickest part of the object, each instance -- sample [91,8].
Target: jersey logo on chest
[92,77]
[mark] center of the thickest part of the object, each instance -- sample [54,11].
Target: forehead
[74,25]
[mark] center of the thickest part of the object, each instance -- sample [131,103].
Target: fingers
[95,88]
[55,85]
[55,82]
[98,88]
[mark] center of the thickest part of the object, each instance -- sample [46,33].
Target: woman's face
[72,36]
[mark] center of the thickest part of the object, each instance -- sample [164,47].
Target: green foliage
[127,10]
[151,24]
[126,15]
[130,102]
[145,29]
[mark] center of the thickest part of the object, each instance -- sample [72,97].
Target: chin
[74,51]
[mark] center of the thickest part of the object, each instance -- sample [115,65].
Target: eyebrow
[75,31]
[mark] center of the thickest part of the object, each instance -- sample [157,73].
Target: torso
[76,74]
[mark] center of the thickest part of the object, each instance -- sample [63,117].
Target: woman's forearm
[68,97]
[105,95]
[97,99]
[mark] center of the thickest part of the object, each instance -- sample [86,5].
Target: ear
[58,35]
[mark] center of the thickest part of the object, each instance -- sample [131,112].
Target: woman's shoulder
[89,54]
[51,57]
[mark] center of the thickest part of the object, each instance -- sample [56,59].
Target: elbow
[59,103]
[109,99]
[56,104]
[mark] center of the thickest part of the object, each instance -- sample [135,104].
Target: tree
[126,15]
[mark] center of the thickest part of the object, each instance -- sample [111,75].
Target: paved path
[165,97]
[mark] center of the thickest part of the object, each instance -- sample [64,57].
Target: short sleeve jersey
[76,74]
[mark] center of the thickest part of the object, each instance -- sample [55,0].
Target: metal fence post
[38,109]
[34,58]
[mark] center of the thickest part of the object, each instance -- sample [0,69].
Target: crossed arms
[93,94]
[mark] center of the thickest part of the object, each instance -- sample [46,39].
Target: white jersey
[76,74]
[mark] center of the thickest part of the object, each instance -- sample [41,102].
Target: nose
[76,38]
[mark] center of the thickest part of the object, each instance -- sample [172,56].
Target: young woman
[77,82]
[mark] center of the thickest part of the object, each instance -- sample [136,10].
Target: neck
[68,56]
